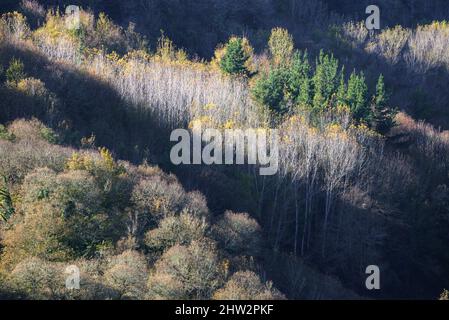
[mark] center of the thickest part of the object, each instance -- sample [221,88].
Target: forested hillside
[86,112]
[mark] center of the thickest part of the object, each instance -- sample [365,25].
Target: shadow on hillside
[84,105]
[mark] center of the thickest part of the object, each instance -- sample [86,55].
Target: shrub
[187,272]
[238,233]
[246,285]
[126,243]
[25,129]
[166,51]
[32,130]
[49,135]
[5,134]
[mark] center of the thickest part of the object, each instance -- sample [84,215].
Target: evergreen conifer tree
[357,97]
[324,80]
[233,61]
[382,116]
[269,90]
[299,80]
[341,91]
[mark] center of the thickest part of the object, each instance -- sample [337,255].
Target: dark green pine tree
[269,90]
[304,99]
[382,118]
[356,97]
[324,81]
[341,91]
[233,61]
[298,86]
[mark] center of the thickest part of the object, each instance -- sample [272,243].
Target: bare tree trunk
[274,204]
[310,214]
[306,218]
[296,218]
[281,218]
[261,196]
[326,220]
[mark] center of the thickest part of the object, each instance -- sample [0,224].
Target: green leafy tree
[235,58]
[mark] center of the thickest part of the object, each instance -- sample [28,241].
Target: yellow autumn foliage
[80,161]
